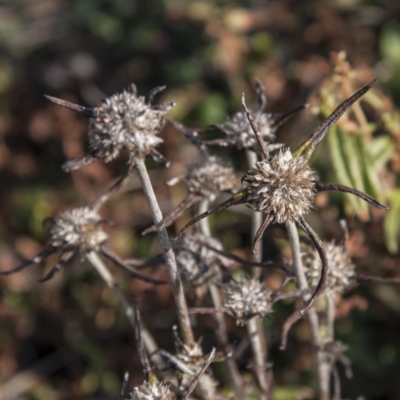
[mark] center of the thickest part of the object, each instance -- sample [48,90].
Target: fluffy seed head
[239,130]
[79,227]
[341,270]
[283,187]
[246,299]
[125,121]
[210,176]
[152,391]
[198,265]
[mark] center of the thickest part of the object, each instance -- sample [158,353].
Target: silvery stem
[148,341]
[222,332]
[176,283]
[254,325]
[322,365]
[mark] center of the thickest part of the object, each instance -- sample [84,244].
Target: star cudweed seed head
[125,121]
[152,391]
[198,265]
[340,274]
[282,187]
[246,299]
[79,227]
[210,176]
[238,129]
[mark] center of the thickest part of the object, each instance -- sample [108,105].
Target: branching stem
[322,365]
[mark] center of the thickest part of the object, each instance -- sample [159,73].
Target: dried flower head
[341,271]
[152,391]
[80,227]
[79,231]
[239,133]
[206,179]
[199,266]
[209,177]
[246,299]
[124,121]
[282,187]
[273,186]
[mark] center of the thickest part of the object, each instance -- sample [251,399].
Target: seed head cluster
[210,176]
[246,299]
[283,187]
[79,227]
[126,121]
[239,131]
[198,265]
[339,275]
[152,391]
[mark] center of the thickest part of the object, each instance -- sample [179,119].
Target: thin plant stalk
[322,364]
[235,378]
[148,341]
[254,325]
[170,260]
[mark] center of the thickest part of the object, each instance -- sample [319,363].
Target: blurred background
[66,339]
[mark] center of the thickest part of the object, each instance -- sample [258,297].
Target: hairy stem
[176,283]
[222,332]
[254,325]
[108,279]
[322,365]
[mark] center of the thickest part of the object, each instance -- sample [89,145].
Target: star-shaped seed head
[198,265]
[126,121]
[238,129]
[246,299]
[340,273]
[80,227]
[211,176]
[282,187]
[152,391]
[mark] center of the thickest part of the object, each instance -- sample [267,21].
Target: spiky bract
[152,391]
[282,187]
[246,299]
[80,227]
[126,121]
[211,176]
[341,271]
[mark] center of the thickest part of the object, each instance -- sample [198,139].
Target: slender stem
[322,365]
[222,333]
[254,325]
[176,283]
[148,341]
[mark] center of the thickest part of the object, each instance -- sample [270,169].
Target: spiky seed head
[125,121]
[152,391]
[283,187]
[80,227]
[211,176]
[246,299]
[240,132]
[341,271]
[192,356]
[198,265]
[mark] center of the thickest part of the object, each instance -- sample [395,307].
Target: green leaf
[391,223]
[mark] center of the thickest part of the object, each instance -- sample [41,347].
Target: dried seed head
[79,227]
[239,131]
[341,270]
[192,356]
[283,187]
[125,121]
[210,176]
[246,299]
[152,391]
[198,265]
